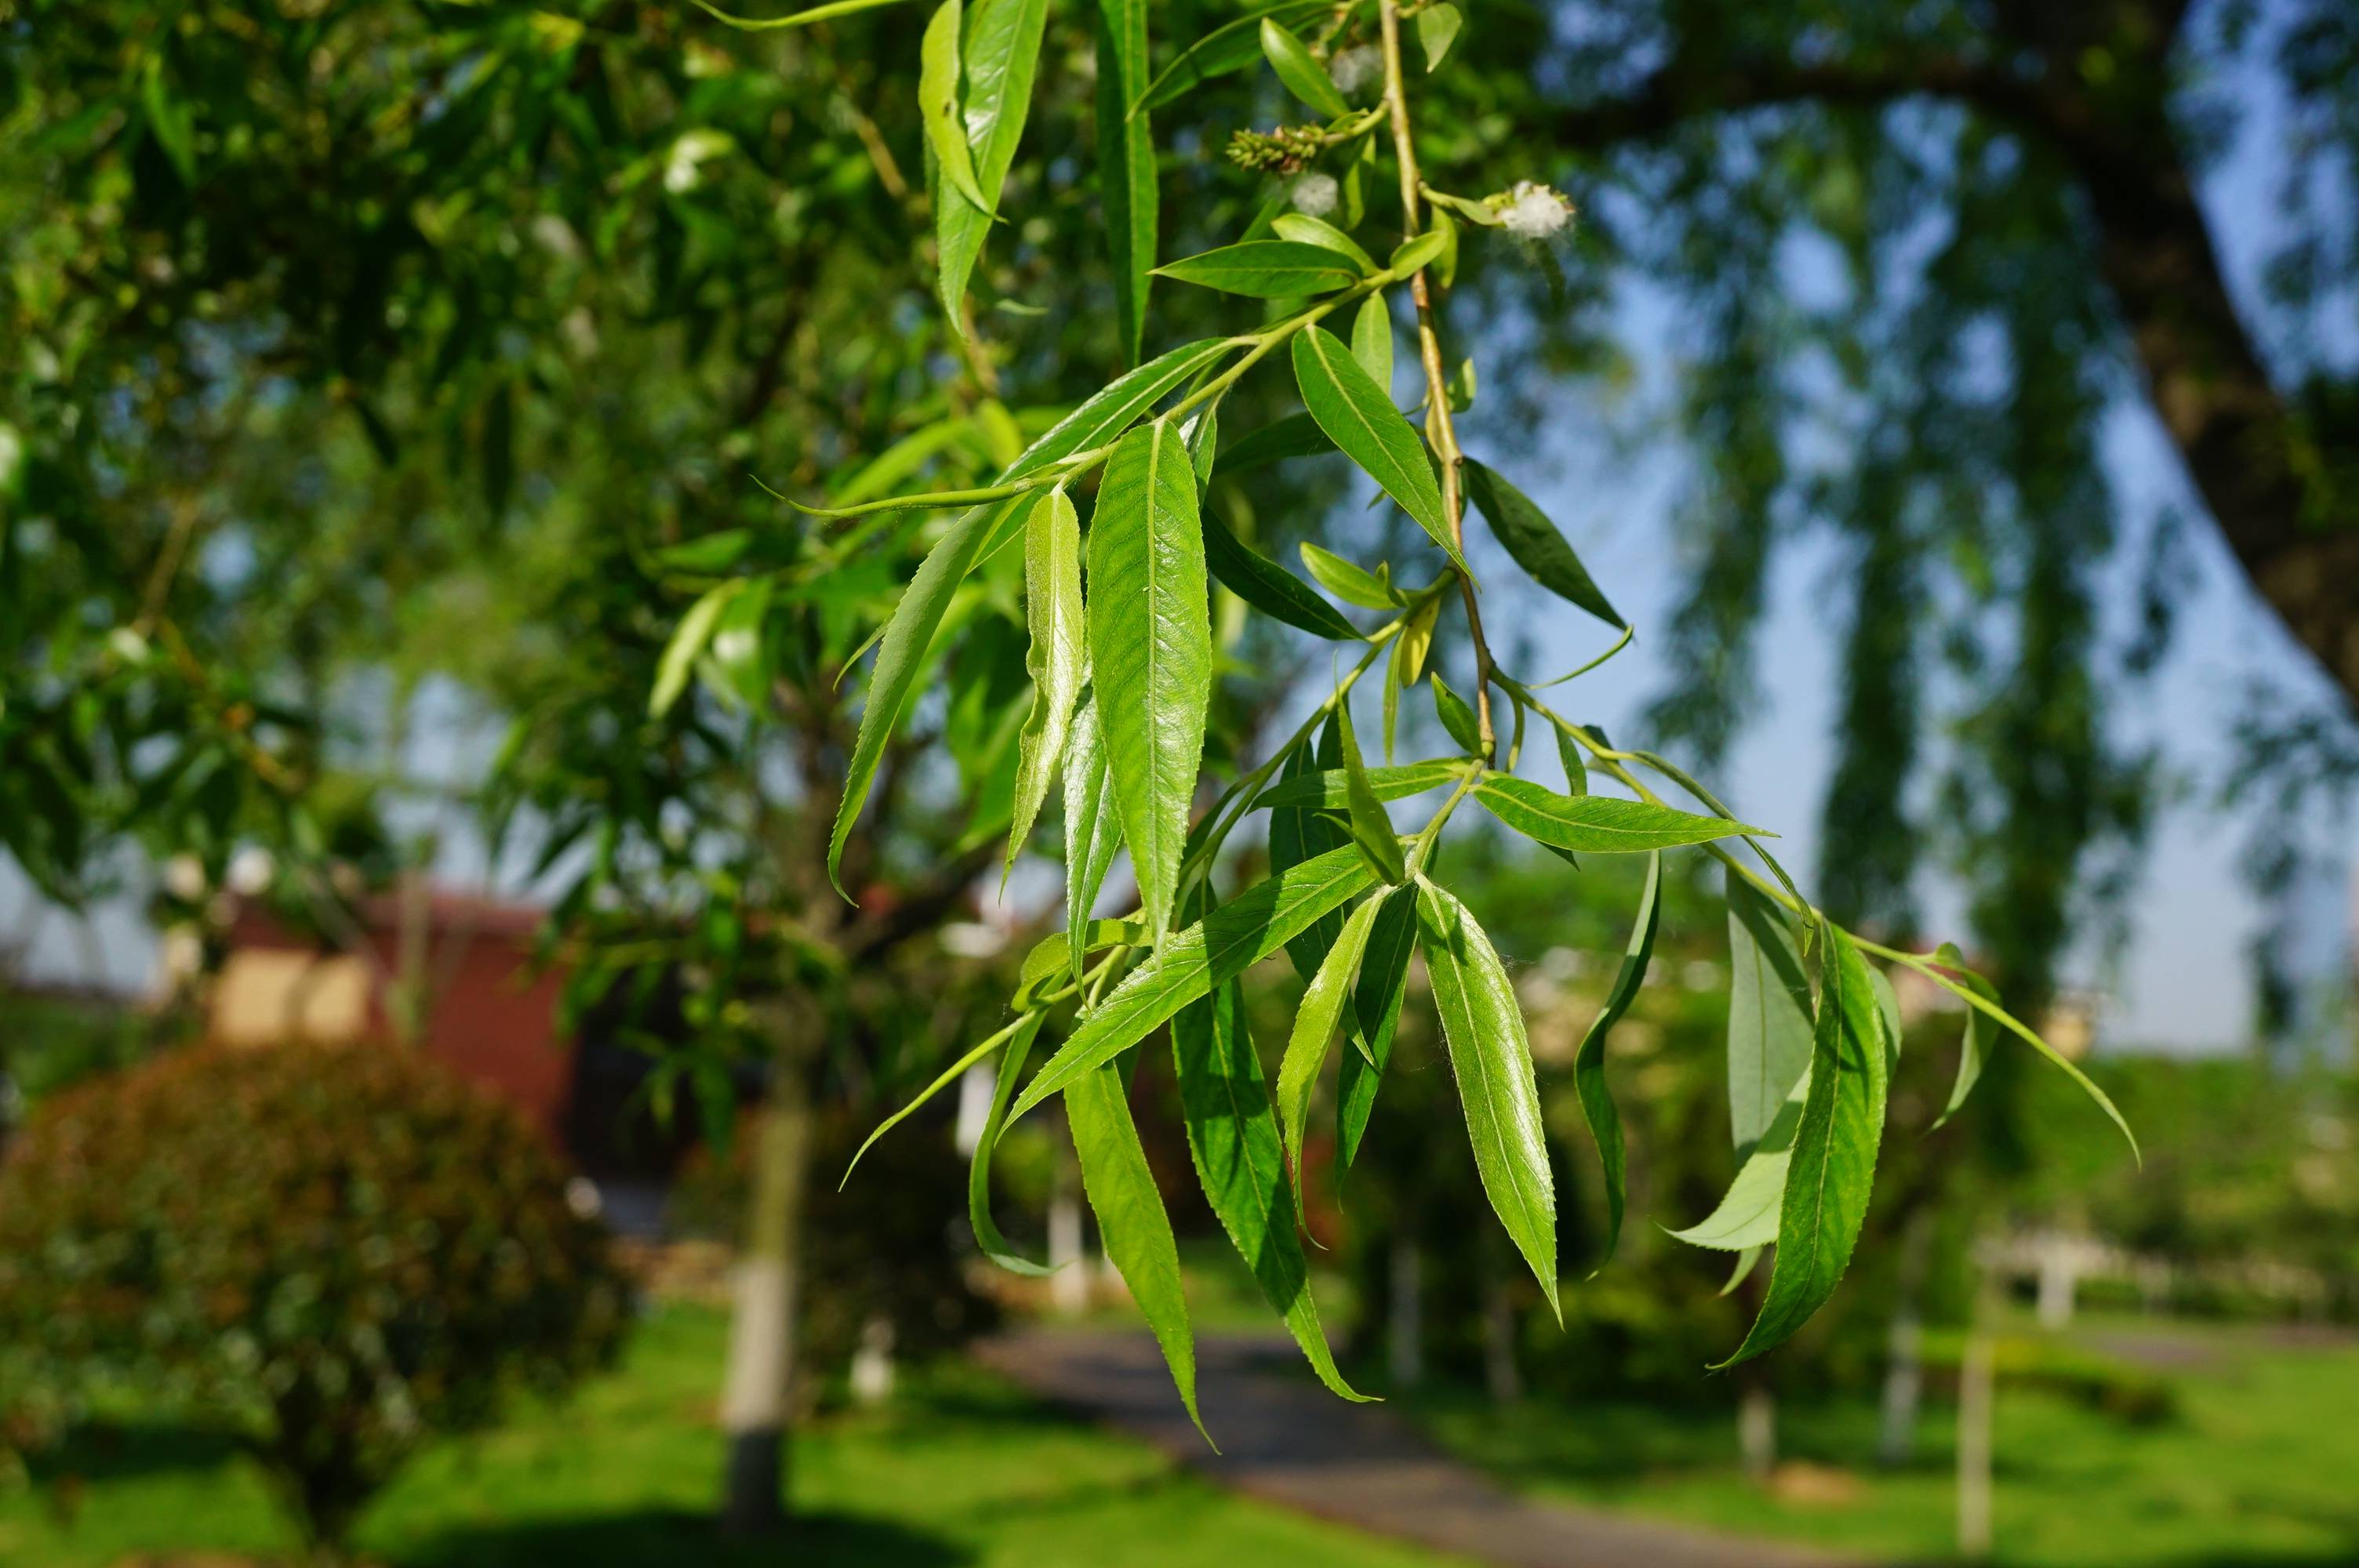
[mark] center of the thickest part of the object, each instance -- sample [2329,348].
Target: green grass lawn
[2258,1466]
[961,1470]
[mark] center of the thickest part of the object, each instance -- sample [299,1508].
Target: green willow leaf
[1303,229]
[908,634]
[1419,251]
[978,1172]
[1329,789]
[1052,610]
[1051,957]
[1595,823]
[1372,339]
[1131,1219]
[1589,1062]
[1151,650]
[1746,1216]
[1359,417]
[799,20]
[1457,719]
[1303,76]
[1347,581]
[1233,46]
[687,645]
[1001,56]
[1768,1011]
[1314,1027]
[1535,544]
[1269,587]
[1296,436]
[901,656]
[1299,834]
[1833,1160]
[1370,828]
[1492,1059]
[1114,407]
[1375,1007]
[1232,1139]
[1191,961]
[736,670]
[942,1080]
[1202,434]
[1436,29]
[1093,829]
[1975,1039]
[1266,269]
[1576,772]
[937,103]
[1126,154]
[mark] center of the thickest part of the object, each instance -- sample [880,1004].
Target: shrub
[329,1253]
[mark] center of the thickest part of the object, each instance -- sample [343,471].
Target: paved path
[1286,1440]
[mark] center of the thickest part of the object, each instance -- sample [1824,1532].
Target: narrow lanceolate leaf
[1304,228]
[1303,76]
[1092,829]
[1266,269]
[908,634]
[1491,1057]
[1372,829]
[1125,151]
[1269,587]
[687,645]
[1768,1011]
[1114,407]
[1589,1063]
[1359,417]
[1746,1217]
[1296,436]
[1229,47]
[1314,1026]
[1297,834]
[1458,719]
[1151,650]
[1372,339]
[1191,961]
[1375,1004]
[1329,789]
[1971,1046]
[1596,824]
[1576,772]
[1052,610]
[1347,581]
[1833,1163]
[1534,543]
[937,103]
[1131,1220]
[1001,54]
[901,656]
[978,1172]
[1232,1138]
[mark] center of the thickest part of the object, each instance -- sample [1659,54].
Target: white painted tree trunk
[1500,1372]
[1976,1376]
[1904,1372]
[758,1389]
[1756,1432]
[1069,1286]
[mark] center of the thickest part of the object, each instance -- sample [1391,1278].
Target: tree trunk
[757,1394]
[1756,1430]
[1903,1374]
[1976,1376]
[1069,1282]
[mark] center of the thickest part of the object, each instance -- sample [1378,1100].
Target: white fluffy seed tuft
[1536,211]
[1316,194]
[1354,69]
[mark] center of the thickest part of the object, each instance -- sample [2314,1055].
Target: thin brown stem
[1440,428]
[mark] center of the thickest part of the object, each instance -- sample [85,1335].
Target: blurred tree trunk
[1977,1375]
[758,1389]
[1405,1344]
[1904,1375]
